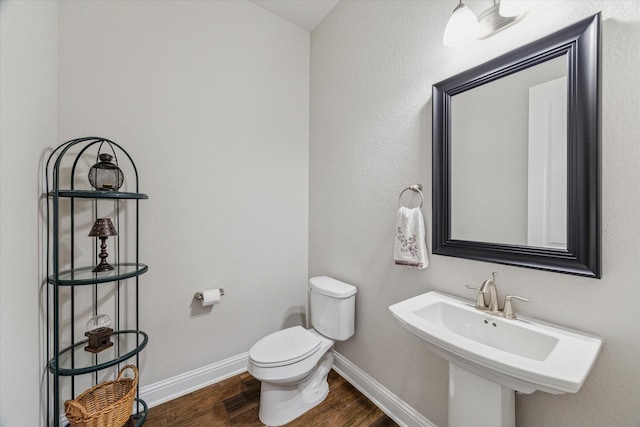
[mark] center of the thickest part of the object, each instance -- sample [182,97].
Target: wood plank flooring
[234,402]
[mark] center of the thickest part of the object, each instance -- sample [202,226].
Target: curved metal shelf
[84,275]
[65,203]
[97,194]
[124,341]
[140,417]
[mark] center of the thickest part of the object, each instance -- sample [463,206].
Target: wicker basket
[108,404]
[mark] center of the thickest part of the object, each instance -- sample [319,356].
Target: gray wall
[28,124]
[372,67]
[212,101]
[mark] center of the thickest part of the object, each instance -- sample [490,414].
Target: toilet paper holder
[198,295]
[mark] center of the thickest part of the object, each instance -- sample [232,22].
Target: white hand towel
[410,246]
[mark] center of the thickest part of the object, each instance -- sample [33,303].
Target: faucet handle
[508,309]
[480,302]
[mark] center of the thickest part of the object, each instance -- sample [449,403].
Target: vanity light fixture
[463,24]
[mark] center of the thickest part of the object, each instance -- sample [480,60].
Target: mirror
[516,167]
[518,119]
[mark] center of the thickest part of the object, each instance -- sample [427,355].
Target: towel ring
[416,188]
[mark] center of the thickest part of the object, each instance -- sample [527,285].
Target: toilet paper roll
[210,297]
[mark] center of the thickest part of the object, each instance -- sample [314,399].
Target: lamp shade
[461,27]
[103,227]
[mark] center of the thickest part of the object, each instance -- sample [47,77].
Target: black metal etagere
[73,288]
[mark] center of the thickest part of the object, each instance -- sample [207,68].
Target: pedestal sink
[490,357]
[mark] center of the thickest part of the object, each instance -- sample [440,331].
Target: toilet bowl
[292,364]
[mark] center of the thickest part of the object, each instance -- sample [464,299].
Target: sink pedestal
[475,401]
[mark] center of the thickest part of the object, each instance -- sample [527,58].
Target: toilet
[292,364]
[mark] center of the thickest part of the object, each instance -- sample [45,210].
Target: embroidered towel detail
[410,245]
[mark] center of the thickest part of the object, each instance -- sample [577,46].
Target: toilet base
[282,403]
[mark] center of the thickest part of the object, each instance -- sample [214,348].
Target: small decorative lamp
[103,228]
[105,175]
[99,333]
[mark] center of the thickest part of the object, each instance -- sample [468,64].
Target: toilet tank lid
[329,286]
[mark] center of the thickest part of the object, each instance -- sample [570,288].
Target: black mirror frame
[581,43]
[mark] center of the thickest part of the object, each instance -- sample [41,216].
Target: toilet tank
[332,305]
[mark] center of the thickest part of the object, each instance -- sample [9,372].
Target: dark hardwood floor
[234,402]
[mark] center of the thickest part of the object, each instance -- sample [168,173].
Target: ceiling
[306,14]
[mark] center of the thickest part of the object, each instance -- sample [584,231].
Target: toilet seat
[284,347]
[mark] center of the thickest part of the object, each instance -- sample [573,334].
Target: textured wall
[211,100]
[372,67]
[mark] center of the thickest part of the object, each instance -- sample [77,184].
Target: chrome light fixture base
[463,26]
[490,22]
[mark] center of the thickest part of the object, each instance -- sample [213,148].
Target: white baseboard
[177,386]
[391,404]
[182,384]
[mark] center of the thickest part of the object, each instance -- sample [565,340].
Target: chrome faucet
[489,286]
[490,304]
[508,308]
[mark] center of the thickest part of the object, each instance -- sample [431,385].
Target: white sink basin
[521,354]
